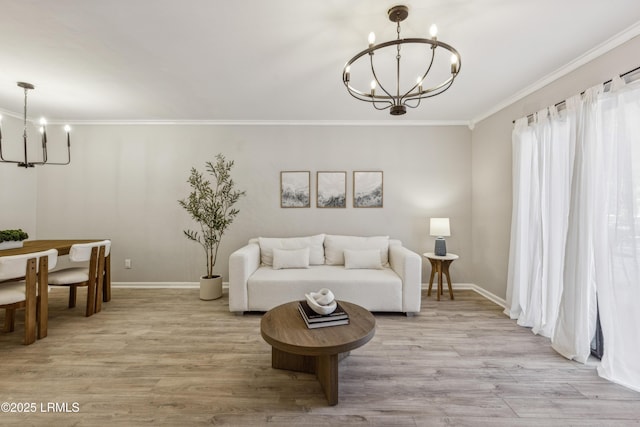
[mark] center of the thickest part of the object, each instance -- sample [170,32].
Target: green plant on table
[13,235]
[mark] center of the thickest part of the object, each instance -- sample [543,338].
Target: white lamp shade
[439,227]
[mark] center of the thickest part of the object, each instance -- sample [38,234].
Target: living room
[129,170]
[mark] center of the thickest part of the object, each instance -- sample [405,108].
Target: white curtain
[576,323]
[617,237]
[542,162]
[524,252]
[575,241]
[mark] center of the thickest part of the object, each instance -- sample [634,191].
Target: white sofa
[376,273]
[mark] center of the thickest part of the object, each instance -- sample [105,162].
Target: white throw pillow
[334,247]
[362,258]
[290,258]
[314,243]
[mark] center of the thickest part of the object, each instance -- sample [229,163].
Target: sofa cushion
[334,247]
[362,258]
[290,258]
[314,243]
[375,290]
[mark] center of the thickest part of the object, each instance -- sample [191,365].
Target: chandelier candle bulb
[43,130]
[433,31]
[67,129]
[454,64]
[372,38]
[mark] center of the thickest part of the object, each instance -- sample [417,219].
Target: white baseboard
[158,285]
[225,285]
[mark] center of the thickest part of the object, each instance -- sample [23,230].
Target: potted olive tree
[210,205]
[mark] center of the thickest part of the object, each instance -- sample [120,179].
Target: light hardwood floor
[163,357]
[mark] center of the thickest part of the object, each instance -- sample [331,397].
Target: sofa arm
[408,265]
[242,264]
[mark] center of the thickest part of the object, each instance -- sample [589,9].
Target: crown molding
[7,113]
[125,122]
[264,122]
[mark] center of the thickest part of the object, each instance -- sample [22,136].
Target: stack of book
[315,320]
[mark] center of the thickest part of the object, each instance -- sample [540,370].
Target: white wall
[124,183]
[18,194]
[491,163]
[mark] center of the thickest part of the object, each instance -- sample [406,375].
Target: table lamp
[439,227]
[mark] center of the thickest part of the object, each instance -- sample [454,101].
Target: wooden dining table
[63,247]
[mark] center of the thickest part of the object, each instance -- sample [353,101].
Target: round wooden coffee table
[317,351]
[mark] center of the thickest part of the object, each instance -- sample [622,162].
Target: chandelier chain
[24,132]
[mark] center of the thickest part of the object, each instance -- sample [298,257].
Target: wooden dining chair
[92,276]
[23,284]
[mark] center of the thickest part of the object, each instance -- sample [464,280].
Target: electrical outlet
[127,263]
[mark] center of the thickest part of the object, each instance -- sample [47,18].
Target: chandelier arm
[373,71]
[408,95]
[2,159]
[432,94]
[44,149]
[363,96]
[436,94]
[382,108]
[406,102]
[358,95]
[434,90]
[367,96]
[438,89]
[68,155]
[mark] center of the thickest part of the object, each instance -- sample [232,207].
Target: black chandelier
[398,100]
[43,130]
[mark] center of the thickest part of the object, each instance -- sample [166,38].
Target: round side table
[440,264]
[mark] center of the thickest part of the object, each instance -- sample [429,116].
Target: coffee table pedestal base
[325,367]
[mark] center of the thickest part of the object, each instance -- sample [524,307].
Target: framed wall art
[294,189]
[367,189]
[331,189]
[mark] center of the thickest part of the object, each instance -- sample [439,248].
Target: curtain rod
[557,104]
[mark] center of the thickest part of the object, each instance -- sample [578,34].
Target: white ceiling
[280,60]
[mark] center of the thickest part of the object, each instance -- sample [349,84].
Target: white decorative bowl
[323,297]
[320,309]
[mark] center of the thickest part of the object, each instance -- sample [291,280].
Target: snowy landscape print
[331,189]
[367,189]
[294,189]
